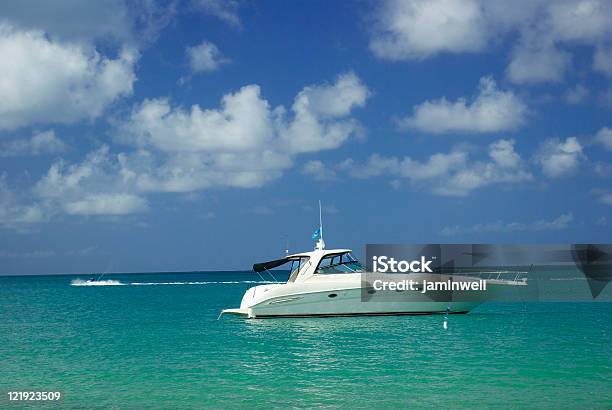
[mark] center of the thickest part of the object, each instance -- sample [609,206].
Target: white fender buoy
[446,317]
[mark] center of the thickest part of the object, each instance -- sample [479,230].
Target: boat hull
[327,300]
[353,314]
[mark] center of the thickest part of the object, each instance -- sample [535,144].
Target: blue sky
[193,135]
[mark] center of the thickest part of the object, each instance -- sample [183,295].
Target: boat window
[339,263]
[296,266]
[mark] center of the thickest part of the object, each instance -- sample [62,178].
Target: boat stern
[238,311]
[250,298]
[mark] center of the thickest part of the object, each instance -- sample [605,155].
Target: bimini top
[260,267]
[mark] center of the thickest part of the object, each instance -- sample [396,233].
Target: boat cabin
[318,262]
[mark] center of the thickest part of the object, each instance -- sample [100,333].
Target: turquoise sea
[159,345]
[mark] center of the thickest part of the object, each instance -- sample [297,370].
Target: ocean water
[154,341]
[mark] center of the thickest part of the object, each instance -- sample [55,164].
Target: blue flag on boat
[316,233]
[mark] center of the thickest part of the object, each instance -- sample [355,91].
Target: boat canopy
[260,267]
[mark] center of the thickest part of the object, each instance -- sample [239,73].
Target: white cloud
[225,10]
[558,223]
[559,158]
[602,221]
[448,174]
[64,181]
[241,124]
[502,152]
[205,57]
[492,110]
[604,137]
[150,171]
[319,115]
[73,20]
[577,94]
[246,123]
[117,21]
[243,144]
[537,63]
[106,204]
[437,165]
[45,81]
[503,167]
[602,60]
[605,198]
[580,20]
[603,169]
[14,213]
[96,186]
[375,166]
[332,101]
[549,31]
[422,28]
[39,144]
[318,171]
[544,32]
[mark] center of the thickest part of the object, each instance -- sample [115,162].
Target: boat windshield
[339,263]
[296,266]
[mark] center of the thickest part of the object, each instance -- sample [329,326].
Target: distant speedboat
[330,282]
[96,278]
[94,282]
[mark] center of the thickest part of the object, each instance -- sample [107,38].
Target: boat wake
[80,282]
[199,283]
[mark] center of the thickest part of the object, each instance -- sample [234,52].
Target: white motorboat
[331,282]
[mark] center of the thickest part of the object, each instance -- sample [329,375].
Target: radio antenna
[321,242]
[320,220]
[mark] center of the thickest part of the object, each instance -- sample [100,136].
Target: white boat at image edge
[329,282]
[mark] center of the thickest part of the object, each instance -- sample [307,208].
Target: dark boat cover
[260,267]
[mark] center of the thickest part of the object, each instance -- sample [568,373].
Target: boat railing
[509,275]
